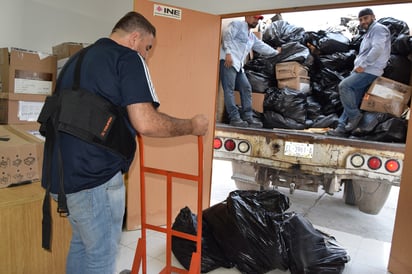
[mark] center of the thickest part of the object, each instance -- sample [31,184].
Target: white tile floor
[368,256]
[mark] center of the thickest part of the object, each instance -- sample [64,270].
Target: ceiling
[222,7]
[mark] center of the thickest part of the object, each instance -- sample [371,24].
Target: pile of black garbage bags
[329,57]
[252,231]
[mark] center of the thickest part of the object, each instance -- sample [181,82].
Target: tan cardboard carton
[64,51]
[387,96]
[21,155]
[28,72]
[290,70]
[20,108]
[300,83]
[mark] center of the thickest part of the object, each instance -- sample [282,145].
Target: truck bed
[314,136]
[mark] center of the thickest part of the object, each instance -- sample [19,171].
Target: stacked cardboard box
[21,155]
[27,78]
[387,96]
[64,51]
[292,75]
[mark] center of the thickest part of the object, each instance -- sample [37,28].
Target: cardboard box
[28,72]
[377,104]
[300,83]
[20,108]
[257,100]
[292,69]
[65,50]
[387,96]
[21,155]
[390,89]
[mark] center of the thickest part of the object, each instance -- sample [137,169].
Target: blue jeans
[231,81]
[351,91]
[96,217]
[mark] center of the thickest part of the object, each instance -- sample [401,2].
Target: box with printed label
[27,72]
[300,83]
[290,70]
[387,96]
[20,108]
[21,155]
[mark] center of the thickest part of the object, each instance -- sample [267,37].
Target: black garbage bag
[392,130]
[281,32]
[288,102]
[332,42]
[272,119]
[396,27]
[212,255]
[402,45]
[339,61]
[327,42]
[260,82]
[369,121]
[243,227]
[327,94]
[398,69]
[313,108]
[329,121]
[310,250]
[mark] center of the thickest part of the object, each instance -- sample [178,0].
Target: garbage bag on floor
[243,227]
[310,250]
[212,255]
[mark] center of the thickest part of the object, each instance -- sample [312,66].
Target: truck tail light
[217,143]
[243,147]
[230,145]
[374,163]
[357,160]
[392,165]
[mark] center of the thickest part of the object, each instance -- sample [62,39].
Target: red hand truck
[140,258]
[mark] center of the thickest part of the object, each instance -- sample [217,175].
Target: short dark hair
[134,21]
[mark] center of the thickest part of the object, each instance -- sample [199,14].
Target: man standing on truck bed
[237,42]
[374,53]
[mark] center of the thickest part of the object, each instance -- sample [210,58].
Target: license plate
[295,149]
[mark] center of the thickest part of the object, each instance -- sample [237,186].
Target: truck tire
[349,193]
[371,195]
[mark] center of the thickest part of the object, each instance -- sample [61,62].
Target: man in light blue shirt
[237,42]
[374,53]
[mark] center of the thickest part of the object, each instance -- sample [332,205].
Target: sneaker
[254,123]
[337,132]
[238,123]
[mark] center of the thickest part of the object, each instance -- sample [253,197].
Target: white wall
[41,24]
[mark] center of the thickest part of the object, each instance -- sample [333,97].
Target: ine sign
[164,11]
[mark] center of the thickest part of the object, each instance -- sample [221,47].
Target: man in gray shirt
[237,42]
[374,53]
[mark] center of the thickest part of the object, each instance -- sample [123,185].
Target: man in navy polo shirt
[115,69]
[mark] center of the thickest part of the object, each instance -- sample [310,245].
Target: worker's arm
[150,122]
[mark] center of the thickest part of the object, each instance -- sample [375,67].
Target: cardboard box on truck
[387,96]
[25,71]
[299,83]
[290,70]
